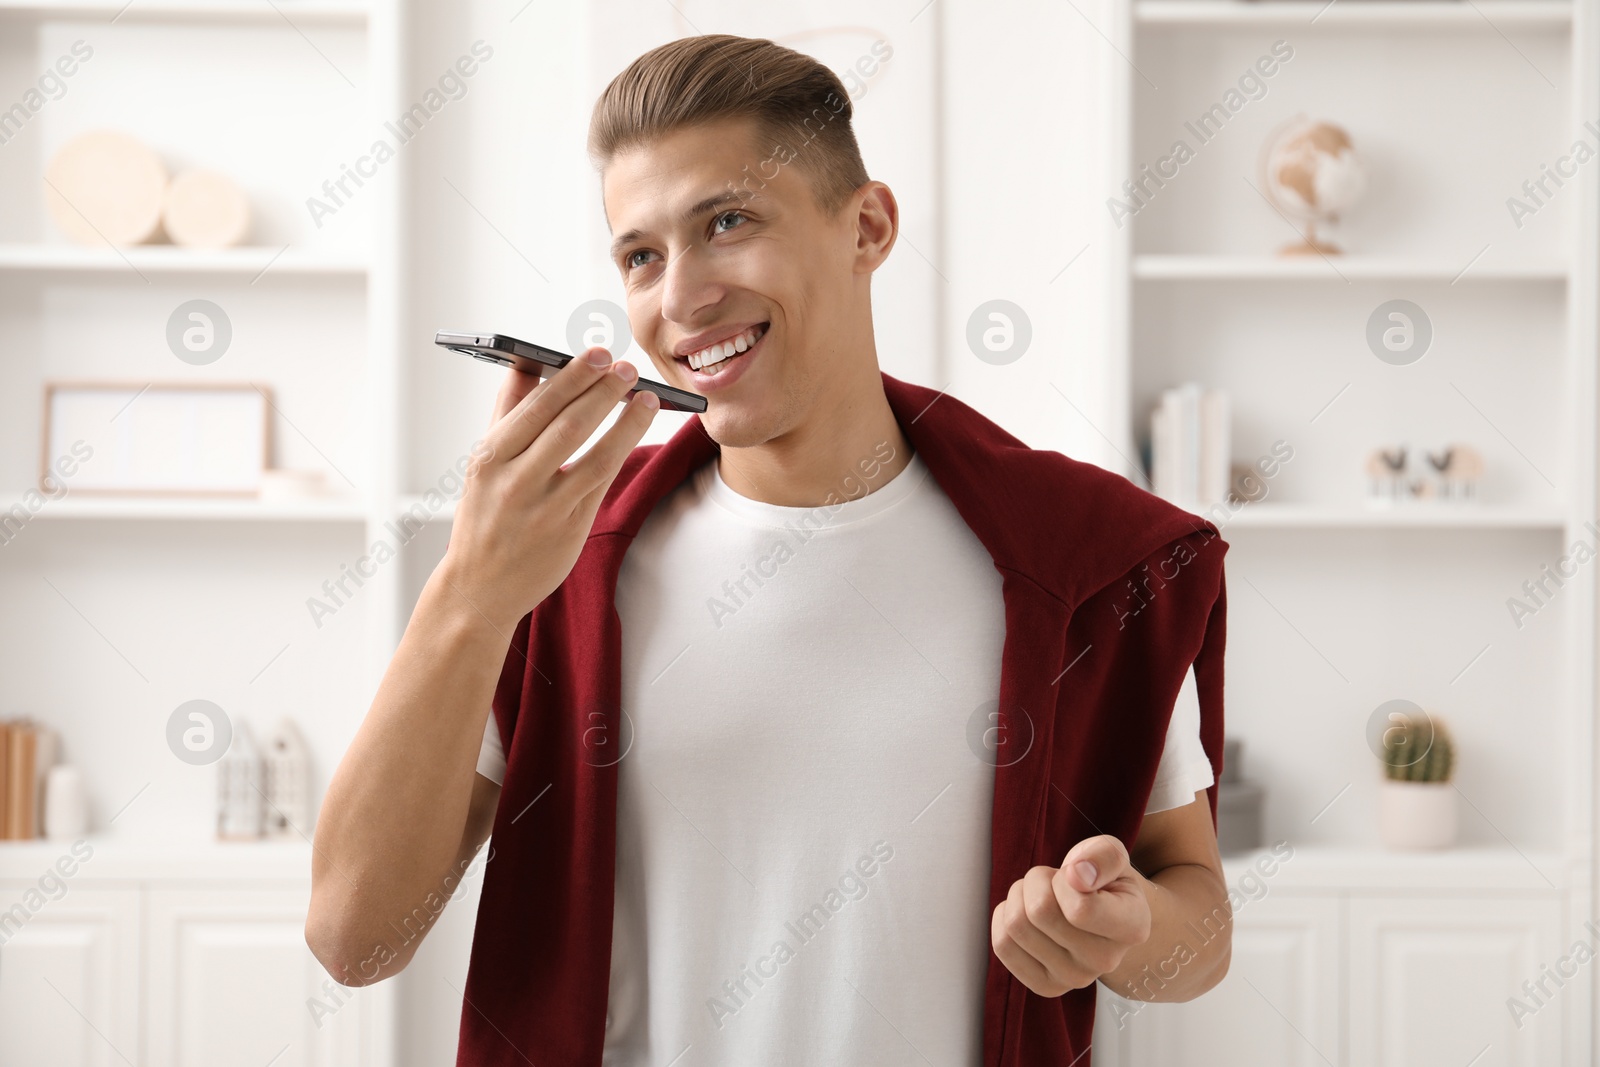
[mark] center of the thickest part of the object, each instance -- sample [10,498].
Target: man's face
[764,257]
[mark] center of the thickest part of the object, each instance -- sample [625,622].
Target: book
[1215,447]
[21,782]
[1190,446]
[5,780]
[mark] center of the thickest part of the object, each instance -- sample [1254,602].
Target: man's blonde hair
[801,109]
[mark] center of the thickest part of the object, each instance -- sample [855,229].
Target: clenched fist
[1061,928]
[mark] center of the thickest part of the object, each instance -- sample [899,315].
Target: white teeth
[718,352]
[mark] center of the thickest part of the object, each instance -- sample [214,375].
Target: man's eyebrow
[710,203]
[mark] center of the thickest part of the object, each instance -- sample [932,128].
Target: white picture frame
[155,438]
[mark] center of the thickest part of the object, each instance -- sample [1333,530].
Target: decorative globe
[1312,174]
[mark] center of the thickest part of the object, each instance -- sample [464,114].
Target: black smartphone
[535,359]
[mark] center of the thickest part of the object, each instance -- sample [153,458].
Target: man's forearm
[393,816]
[1191,938]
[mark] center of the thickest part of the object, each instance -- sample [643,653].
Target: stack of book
[27,750]
[1189,446]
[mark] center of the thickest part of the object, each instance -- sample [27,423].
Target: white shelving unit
[124,607]
[1334,605]
[1296,14]
[1342,268]
[253,262]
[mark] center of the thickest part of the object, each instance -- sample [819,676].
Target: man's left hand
[1061,928]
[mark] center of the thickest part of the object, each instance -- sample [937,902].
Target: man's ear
[877,225]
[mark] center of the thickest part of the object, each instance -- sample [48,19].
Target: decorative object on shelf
[109,186]
[66,804]
[1416,800]
[1386,475]
[1238,804]
[1245,485]
[1457,469]
[288,766]
[27,752]
[105,185]
[279,484]
[205,209]
[1189,446]
[1449,474]
[239,794]
[175,438]
[1311,172]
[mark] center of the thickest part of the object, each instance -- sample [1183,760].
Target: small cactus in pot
[1419,752]
[1416,802]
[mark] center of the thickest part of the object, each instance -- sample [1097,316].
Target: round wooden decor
[205,209]
[105,186]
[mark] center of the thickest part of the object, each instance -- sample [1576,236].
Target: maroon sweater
[1110,593]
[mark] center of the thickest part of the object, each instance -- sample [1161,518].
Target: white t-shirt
[803,825]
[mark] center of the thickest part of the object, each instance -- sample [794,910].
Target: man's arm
[404,802]
[1061,928]
[1191,920]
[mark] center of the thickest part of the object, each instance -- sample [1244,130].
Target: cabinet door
[69,976]
[231,980]
[1277,1006]
[1429,980]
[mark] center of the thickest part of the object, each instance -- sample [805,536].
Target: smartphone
[535,359]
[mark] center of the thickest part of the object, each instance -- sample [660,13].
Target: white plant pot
[1416,815]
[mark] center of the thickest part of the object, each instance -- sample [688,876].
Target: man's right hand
[523,517]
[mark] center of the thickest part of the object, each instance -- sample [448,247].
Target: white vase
[66,804]
[1416,815]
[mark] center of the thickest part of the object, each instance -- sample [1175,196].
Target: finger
[1045,967]
[590,475]
[1107,859]
[524,421]
[1029,971]
[574,424]
[513,387]
[1117,911]
[1055,937]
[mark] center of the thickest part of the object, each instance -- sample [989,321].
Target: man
[752,793]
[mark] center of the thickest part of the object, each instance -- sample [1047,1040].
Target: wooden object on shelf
[21,779]
[205,209]
[5,778]
[105,186]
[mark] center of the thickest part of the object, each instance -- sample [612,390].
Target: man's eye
[628,259]
[729,214]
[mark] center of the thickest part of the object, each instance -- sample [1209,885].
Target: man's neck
[856,448]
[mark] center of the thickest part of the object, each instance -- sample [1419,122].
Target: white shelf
[1486,15]
[171,259]
[1414,516]
[292,12]
[124,860]
[447,513]
[1338,268]
[1467,869]
[83,506]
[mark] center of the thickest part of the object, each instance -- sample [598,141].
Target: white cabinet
[193,958]
[69,977]
[232,981]
[1430,980]
[1277,1007]
[1362,979]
